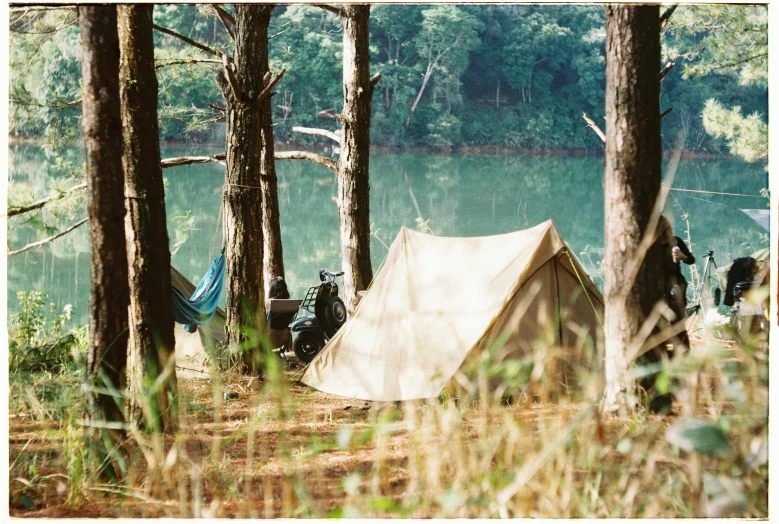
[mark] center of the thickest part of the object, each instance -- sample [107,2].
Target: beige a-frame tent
[437,299]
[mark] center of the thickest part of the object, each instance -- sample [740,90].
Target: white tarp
[437,298]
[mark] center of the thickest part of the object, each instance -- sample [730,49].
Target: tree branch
[283,155]
[317,131]
[35,103]
[666,112]
[237,93]
[592,125]
[47,240]
[666,15]
[266,92]
[375,79]
[186,160]
[329,113]
[40,203]
[40,8]
[230,18]
[330,8]
[182,61]
[222,14]
[188,40]
[305,155]
[665,70]
[739,62]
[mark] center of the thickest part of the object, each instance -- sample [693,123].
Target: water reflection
[454,195]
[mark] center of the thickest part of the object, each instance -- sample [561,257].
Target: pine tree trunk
[631,183]
[353,184]
[245,307]
[273,254]
[151,344]
[107,352]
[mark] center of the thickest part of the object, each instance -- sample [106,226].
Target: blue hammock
[201,306]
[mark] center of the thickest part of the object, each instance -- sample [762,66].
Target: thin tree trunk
[273,254]
[631,183]
[243,222]
[108,300]
[425,79]
[353,183]
[152,345]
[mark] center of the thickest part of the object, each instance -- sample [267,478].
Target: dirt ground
[249,450]
[308,440]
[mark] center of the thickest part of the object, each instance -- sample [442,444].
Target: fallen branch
[223,17]
[319,132]
[187,160]
[47,240]
[592,125]
[219,157]
[187,61]
[188,40]
[305,155]
[40,203]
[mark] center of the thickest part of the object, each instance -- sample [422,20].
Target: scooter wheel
[335,312]
[307,346]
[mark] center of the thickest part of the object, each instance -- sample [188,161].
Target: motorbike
[324,312]
[747,313]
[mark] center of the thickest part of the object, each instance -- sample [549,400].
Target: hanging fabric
[201,306]
[761,216]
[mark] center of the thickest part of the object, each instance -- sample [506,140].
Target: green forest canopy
[507,75]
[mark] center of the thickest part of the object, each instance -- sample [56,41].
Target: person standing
[675,251]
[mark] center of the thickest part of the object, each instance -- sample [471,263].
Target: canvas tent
[437,299]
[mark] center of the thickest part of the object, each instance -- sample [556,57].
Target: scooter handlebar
[323,273]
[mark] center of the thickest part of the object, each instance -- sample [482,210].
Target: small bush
[40,338]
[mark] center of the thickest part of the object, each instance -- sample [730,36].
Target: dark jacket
[675,283]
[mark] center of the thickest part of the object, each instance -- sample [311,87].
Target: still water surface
[452,195]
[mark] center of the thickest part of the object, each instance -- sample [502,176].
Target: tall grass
[532,449]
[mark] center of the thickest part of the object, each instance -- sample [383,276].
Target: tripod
[705,287]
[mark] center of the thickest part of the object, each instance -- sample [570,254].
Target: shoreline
[468,150]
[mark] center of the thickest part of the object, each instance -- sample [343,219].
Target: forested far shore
[473,78]
[463,149]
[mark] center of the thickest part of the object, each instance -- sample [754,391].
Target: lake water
[451,194]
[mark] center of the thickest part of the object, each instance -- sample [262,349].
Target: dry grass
[284,450]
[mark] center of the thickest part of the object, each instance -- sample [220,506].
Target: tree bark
[245,307]
[353,183]
[273,253]
[151,344]
[631,183]
[107,352]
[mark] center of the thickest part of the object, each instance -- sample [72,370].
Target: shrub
[40,338]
